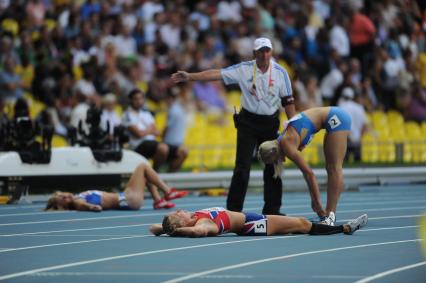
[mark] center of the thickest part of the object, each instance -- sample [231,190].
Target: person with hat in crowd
[265,87]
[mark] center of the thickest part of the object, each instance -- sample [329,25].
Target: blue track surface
[115,246]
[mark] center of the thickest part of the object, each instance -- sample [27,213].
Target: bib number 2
[334,122]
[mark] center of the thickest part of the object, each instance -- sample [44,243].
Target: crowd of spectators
[69,54]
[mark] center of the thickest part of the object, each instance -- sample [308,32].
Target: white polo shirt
[271,86]
[142,119]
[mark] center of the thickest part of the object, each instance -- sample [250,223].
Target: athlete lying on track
[217,220]
[131,198]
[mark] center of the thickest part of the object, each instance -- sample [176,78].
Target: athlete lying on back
[217,220]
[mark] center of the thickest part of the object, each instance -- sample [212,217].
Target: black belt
[258,117]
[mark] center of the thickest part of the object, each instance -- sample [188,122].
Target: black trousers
[252,130]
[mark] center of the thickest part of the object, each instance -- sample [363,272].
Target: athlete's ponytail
[269,153]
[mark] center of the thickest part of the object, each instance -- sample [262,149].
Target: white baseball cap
[348,93]
[262,42]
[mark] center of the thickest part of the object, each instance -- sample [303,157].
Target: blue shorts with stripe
[255,225]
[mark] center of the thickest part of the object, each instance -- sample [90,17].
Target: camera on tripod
[105,147]
[20,134]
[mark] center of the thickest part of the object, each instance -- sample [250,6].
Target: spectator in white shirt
[109,117]
[143,132]
[359,122]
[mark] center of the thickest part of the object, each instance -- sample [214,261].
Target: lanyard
[270,82]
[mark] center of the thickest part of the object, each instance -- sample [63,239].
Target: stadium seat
[11,26]
[59,141]
[423,126]
[77,72]
[233,98]
[386,150]
[416,141]
[35,108]
[369,148]
[161,120]
[50,24]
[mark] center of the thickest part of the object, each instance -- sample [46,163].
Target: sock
[321,229]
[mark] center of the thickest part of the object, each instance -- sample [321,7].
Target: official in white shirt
[265,87]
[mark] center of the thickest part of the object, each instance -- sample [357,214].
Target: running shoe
[162,203]
[174,194]
[353,225]
[328,220]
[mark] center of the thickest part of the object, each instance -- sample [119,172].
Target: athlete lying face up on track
[132,197]
[217,220]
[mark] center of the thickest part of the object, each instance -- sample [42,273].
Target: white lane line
[389,272]
[348,200]
[75,230]
[81,219]
[202,204]
[146,224]
[216,276]
[366,210]
[162,214]
[337,277]
[38,213]
[73,243]
[131,235]
[387,228]
[249,263]
[142,236]
[82,235]
[78,263]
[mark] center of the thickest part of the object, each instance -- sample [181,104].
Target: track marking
[79,263]
[351,201]
[390,271]
[249,263]
[202,204]
[162,214]
[149,235]
[217,276]
[335,277]
[75,230]
[147,224]
[73,243]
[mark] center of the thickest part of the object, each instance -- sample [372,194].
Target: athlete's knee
[183,152]
[334,169]
[163,149]
[141,166]
[140,169]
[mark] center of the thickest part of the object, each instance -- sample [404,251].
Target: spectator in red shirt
[361,33]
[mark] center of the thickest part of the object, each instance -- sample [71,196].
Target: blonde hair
[52,203]
[267,150]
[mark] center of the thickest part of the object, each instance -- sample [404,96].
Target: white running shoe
[329,220]
[356,224]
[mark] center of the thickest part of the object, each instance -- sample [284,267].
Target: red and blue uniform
[218,215]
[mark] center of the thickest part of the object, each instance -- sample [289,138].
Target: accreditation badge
[271,99]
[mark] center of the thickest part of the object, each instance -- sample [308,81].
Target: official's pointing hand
[180,76]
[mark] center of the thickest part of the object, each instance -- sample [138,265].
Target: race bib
[260,226]
[334,122]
